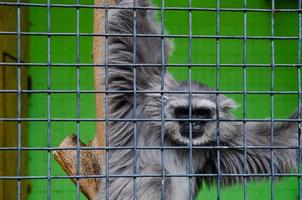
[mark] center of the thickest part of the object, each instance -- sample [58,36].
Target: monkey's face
[189,121]
[199,115]
[196,121]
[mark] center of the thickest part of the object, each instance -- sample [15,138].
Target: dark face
[195,125]
[199,117]
[198,126]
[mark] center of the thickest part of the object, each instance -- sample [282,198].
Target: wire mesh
[190,64]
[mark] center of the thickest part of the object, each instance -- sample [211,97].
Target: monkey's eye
[202,112]
[181,112]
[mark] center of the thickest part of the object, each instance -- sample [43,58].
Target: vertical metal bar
[134,104]
[19,97]
[272,98]
[162,102]
[48,101]
[78,97]
[244,97]
[190,98]
[106,103]
[299,99]
[217,96]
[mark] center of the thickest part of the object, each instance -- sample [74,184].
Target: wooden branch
[90,160]
[89,165]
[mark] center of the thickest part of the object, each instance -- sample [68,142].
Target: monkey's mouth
[186,136]
[183,141]
[195,131]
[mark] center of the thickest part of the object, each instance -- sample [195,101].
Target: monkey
[174,135]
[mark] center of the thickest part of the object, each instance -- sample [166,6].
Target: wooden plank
[1,128]
[9,102]
[10,131]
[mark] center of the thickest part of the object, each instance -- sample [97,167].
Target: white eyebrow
[204,103]
[197,103]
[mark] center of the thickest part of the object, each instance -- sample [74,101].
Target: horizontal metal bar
[237,65]
[148,92]
[214,37]
[222,147]
[166,8]
[141,120]
[149,175]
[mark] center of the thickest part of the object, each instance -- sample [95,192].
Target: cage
[249,50]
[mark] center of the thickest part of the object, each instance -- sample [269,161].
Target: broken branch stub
[89,165]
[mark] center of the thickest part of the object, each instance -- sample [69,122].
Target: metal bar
[151,92]
[213,147]
[49,101]
[138,120]
[250,175]
[190,99]
[78,99]
[107,137]
[264,37]
[217,98]
[244,114]
[135,152]
[162,103]
[87,65]
[88,6]
[19,100]
[272,101]
[299,101]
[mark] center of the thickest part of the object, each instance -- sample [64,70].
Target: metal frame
[162,90]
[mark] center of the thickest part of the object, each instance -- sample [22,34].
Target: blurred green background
[63,50]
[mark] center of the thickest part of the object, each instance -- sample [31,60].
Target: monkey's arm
[260,159]
[122,52]
[284,137]
[122,79]
[122,56]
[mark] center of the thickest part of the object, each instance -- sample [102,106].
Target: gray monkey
[163,174]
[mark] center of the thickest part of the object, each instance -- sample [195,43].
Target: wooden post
[8,102]
[90,160]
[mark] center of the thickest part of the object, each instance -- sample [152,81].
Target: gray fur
[148,134]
